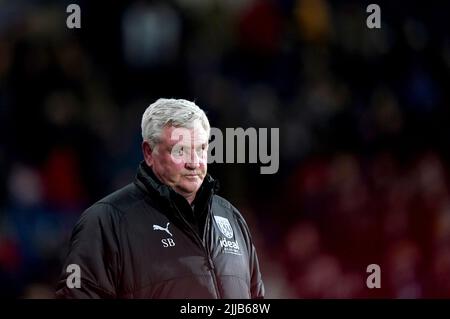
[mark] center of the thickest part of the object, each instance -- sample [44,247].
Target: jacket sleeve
[256,283]
[94,249]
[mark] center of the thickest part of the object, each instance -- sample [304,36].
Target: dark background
[363,117]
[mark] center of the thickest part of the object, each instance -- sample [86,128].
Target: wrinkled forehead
[181,135]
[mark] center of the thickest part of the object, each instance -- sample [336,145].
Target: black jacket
[145,241]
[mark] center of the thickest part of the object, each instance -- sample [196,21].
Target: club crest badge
[224,226]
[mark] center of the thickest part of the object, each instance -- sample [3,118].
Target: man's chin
[189,187]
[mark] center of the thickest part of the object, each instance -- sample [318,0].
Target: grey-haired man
[167,234]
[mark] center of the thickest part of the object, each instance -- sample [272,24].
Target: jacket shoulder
[228,207]
[122,200]
[223,206]
[223,203]
[110,209]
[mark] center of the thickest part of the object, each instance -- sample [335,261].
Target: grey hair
[170,112]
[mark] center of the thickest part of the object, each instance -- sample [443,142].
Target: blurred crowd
[363,117]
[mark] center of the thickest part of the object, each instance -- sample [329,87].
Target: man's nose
[193,161]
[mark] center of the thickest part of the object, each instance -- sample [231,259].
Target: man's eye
[201,149]
[178,151]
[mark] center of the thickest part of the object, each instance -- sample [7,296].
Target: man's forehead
[174,134]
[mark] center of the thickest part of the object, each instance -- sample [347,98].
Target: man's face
[180,158]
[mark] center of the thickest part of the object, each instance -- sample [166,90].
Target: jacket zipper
[210,261]
[205,248]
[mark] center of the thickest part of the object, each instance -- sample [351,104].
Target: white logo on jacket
[166,242]
[229,246]
[224,226]
[157,227]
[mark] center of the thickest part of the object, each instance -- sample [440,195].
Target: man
[167,234]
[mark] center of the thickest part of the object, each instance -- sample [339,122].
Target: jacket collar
[153,186]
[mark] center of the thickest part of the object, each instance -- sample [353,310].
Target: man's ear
[148,153]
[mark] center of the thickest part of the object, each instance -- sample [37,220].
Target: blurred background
[363,114]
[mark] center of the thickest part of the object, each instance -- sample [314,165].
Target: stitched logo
[224,226]
[157,227]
